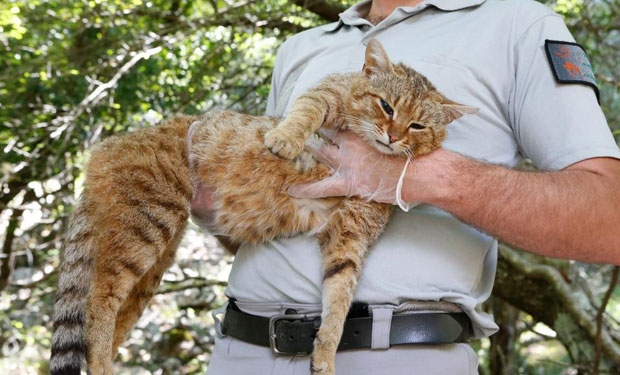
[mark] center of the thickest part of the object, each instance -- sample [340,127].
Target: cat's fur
[136,201]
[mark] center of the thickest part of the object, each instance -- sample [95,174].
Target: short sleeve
[287,68]
[556,124]
[272,99]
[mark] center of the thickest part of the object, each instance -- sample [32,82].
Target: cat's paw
[282,144]
[323,358]
[320,369]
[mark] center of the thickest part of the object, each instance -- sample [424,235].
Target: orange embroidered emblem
[570,63]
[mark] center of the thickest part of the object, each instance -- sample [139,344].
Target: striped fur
[135,204]
[386,103]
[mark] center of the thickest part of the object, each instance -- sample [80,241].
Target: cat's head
[397,109]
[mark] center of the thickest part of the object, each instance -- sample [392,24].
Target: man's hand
[204,215]
[202,208]
[572,213]
[359,170]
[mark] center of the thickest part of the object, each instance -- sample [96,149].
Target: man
[507,58]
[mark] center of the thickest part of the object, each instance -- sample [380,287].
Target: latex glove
[359,170]
[203,211]
[203,208]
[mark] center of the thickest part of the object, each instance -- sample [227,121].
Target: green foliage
[74,71]
[595,25]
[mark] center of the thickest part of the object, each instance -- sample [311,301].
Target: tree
[75,71]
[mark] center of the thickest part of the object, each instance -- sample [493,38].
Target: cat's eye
[386,107]
[416,126]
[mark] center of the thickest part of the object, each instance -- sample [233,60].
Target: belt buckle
[273,344]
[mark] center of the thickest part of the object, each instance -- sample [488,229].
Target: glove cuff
[399,189]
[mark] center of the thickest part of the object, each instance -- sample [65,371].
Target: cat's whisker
[348,116]
[364,124]
[409,154]
[354,119]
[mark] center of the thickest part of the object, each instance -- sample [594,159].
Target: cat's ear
[454,110]
[376,59]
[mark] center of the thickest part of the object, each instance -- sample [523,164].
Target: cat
[136,199]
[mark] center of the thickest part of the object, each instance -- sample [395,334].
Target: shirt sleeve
[280,80]
[273,91]
[555,124]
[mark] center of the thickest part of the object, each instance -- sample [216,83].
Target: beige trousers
[235,357]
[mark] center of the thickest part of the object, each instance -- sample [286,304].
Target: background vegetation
[74,71]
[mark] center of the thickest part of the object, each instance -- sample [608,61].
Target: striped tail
[68,339]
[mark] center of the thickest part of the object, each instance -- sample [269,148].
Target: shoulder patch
[570,64]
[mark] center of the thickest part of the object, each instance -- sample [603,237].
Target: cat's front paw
[323,358]
[321,368]
[282,144]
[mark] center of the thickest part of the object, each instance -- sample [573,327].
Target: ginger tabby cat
[136,201]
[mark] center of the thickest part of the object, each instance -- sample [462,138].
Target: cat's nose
[393,138]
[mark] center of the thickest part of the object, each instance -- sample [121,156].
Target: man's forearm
[572,213]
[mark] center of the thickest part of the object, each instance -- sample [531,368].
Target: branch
[228,16]
[327,10]
[101,91]
[97,95]
[7,246]
[599,319]
[547,296]
[193,283]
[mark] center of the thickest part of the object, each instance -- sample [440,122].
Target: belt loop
[381,325]
[216,318]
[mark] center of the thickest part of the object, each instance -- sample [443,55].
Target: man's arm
[573,213]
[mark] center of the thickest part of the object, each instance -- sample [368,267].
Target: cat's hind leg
[135,259]
[133,307]
[113,281]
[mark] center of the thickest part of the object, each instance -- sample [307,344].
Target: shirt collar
[354,16]
[451,5]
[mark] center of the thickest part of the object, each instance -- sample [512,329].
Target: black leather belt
[293,334]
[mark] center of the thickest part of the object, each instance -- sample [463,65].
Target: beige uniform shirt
[488,54]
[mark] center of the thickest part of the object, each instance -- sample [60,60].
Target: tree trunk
[550,294]
[503,358]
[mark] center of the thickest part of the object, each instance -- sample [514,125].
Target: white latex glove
[359,170]
[202,208]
